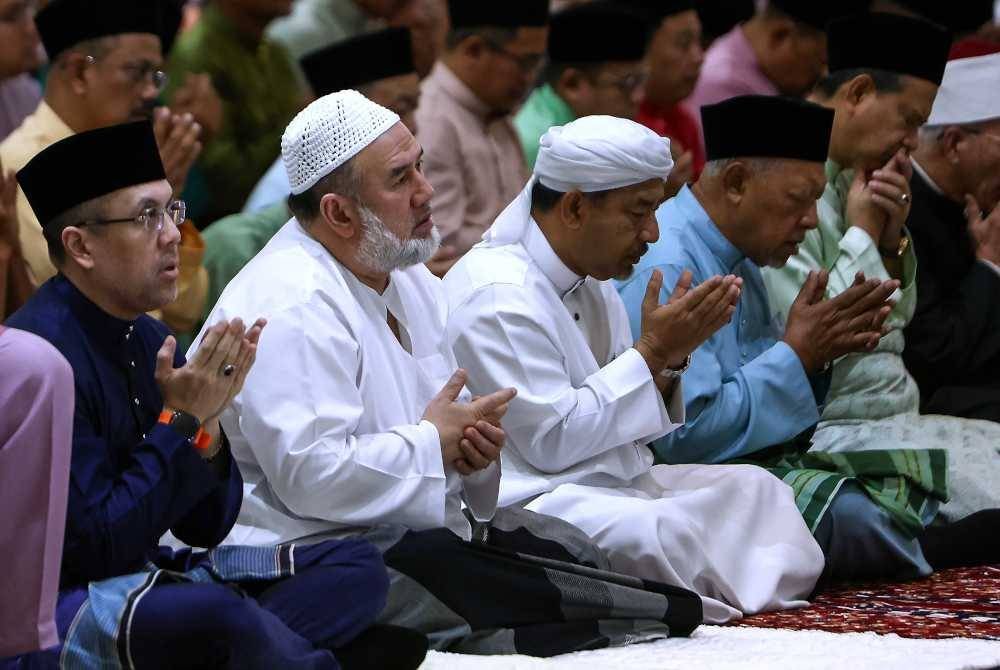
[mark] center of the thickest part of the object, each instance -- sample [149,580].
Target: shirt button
[576,316]
[136,401]
[132,363]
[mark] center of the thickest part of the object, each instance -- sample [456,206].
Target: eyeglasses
[152,219]
[19,13]
[627,84]
[527,63]
[141,73]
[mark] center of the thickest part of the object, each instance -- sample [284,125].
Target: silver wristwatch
[675,373]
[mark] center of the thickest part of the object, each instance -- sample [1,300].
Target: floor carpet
[952,603]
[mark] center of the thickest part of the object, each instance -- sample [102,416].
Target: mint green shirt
[872,385]
[542,110]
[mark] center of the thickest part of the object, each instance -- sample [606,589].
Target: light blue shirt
[272,188]
[745,390]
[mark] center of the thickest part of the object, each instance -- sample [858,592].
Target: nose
[912,140]
[651,232]
[170,235]
[424,191]
[811,220]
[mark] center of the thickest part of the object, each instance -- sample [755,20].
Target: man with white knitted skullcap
[532,306]
[354,419]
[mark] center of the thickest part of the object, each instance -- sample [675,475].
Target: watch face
[185,424]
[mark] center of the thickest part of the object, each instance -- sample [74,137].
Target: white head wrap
[328,133]
[968,92]
[593,153]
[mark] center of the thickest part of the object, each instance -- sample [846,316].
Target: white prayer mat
[725,648]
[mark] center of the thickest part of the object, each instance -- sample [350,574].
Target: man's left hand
[177,136]
[890,191]
[984,230]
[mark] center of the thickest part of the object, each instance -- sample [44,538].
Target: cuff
[482,491]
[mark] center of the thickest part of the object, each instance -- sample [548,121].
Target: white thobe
[587,404]
[327,430]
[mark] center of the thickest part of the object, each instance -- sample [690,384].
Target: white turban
[593,153]
[328,133]
[968,92]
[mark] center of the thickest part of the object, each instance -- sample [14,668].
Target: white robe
[327,430]
[586,407]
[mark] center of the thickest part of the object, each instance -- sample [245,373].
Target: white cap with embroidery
[328,133]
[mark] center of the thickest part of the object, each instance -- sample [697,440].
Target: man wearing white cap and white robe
[532,306]
[354,421]
[953,341]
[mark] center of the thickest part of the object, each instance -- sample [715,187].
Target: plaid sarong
[907,483]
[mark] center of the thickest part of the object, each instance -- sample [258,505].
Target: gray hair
[755,165]
[345,181]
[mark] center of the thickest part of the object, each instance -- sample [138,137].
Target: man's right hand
[177,136]
[671,332]
[202,388]
[470,435]
[821,330]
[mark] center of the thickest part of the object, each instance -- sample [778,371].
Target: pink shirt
[730,69]
[472,158]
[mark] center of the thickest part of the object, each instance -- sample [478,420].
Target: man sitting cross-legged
[353,421]
[532,307]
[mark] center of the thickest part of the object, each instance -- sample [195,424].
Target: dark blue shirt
[131,478]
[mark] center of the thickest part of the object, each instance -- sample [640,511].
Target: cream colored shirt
[41,129]
[472,158]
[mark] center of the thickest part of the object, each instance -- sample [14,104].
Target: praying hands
[984,229]
[880,204]
[821,330]
[471,437]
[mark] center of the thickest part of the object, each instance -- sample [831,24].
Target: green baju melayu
[542,110]
[873,403]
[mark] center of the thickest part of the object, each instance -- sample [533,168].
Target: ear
[474,47]
[859,89]
[571,81]
[734,181]
[951,143]
[340,215]
[572,209]
[75,64]
[781,31]
[77,247]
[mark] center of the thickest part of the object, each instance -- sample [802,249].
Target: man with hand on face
[884,74]
[474,159]
[953,341]
[354,420]
[595,67]
[532,307]
[106,59]
[755,389]
[148,454]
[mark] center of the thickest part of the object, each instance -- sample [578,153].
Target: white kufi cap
[330,132]
[968,92]
[593,153]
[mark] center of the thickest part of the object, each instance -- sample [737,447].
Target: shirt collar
[462,94]
[51,123]
[706,229]
[551,100]
[105,330]
[537,245]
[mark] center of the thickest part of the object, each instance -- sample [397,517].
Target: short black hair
[543,198]
[885,81]
[555,71]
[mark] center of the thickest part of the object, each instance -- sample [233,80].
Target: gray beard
[382,251]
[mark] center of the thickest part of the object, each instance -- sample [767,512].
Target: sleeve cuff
[482,491]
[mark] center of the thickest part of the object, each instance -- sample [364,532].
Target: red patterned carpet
[953,603]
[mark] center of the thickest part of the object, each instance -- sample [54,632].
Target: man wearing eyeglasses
[953,341]
[106,69]
[474,160]
[595,68]
[149,454]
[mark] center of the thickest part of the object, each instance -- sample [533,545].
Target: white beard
[382,251]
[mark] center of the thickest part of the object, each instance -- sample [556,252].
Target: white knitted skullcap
[330,132]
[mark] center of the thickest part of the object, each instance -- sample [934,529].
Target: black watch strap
[185,424]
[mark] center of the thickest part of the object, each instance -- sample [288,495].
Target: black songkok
[819,13]
[657,10]
[963,16]
[65,23]
[65,175]
[494,14]
[597,33]
[359,61]
[889,42]
[764,126]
